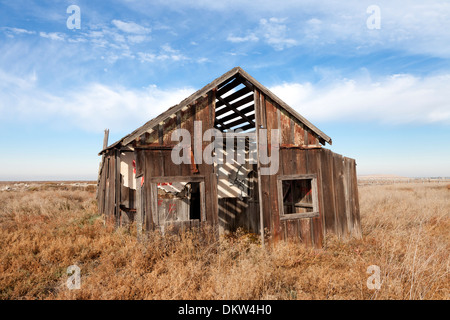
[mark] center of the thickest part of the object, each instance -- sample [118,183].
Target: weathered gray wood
[356,214]
[306,232]
[117,178]
[160,133]
[154,203]
[293,216]
[339,195]
[150,147]
[202,201]
[139,207]
[297,176]
[306,136]
[329,212]
[315,197]
[229,86]
[107,188]
[347,193]
[259,124]
[196,178]
[105,139]
[271,213]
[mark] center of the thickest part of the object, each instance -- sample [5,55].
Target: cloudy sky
[380,88]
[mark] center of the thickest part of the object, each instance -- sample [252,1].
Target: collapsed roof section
[235,108]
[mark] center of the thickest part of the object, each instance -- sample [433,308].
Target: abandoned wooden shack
[308,192]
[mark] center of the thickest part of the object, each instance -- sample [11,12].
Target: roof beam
[222,125]
[235,110]
[229,86]
[244,111]
[237,104]
[240,121]
[233,96]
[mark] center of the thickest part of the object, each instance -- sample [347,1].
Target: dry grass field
[48,227]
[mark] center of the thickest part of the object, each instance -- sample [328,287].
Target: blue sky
[383,95]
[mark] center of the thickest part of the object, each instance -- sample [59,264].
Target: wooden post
[117,184]
[139,215]
[105,145]
[105,139]
[258,122]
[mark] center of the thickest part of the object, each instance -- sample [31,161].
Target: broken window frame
[314,196]
[153,181]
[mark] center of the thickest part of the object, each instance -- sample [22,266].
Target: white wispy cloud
[275,32]
[110,43]
[401,98]
[146,57]
[166,53]
[137,38]
[414,27]
[130,27]
[52,35]
[272,31]
[248,38]
[203,60]
[17,31]
[91,107]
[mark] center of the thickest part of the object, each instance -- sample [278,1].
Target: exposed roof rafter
[225,83]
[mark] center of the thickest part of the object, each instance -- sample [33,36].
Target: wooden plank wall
[107,187]
[158,163]
[101,187]
[337,192]
[336,179]
[308,230]
[292,161]
[111,192]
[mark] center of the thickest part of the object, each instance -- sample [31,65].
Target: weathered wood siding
[157,163]
[106,197]
[336,180]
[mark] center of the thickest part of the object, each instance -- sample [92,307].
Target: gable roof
[217,82]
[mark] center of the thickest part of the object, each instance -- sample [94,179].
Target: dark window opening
[297,196]
[194,208]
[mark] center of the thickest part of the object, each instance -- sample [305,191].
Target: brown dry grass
[406,232]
